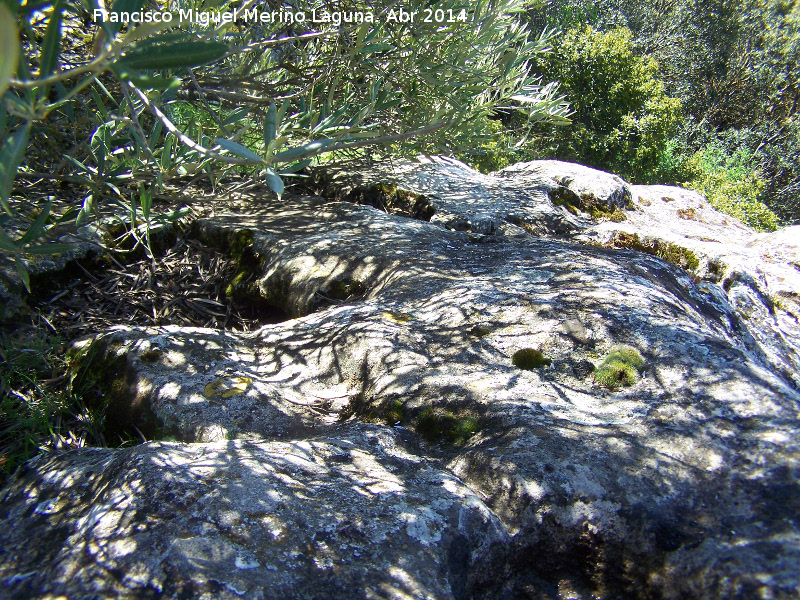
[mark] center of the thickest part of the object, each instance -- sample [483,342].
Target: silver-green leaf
[310,149]
[270,125]
[9,48]
[274,181]
[6,243]
[49,249]
[23,274]
[238,149]
[36,228]
[10,157]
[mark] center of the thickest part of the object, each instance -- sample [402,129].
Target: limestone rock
[518,479]
[758,273]
[459,198]
[611,191]
[350,516]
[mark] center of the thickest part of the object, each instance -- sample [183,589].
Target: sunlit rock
[384,442]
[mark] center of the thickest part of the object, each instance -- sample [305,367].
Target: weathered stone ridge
[267,520]
[428,424]
[757,272]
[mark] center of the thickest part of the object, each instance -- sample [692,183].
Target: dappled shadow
[354,514]
[602,491]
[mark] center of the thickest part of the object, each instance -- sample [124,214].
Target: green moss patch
[439,424]
[267,305]
[480,331]
[396,413]
[563,196]
[242,240]
[574,203]
[620,368]
[716,269]
[243,286]
[432,424]
[530,359]
[677,255]
[617,216]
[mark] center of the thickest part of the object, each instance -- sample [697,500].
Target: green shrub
[623,119]
[732,184]
[619,368]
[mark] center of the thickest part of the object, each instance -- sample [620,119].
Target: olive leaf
[9,48]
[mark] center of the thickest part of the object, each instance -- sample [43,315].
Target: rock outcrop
[517,394]
[757,273]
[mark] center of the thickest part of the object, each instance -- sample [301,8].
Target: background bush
[732,184]
[733,66]
[622,118]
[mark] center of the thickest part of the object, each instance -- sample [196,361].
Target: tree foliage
[622,117]
[142,105]
[732,64]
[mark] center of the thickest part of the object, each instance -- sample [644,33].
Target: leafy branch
[289,93]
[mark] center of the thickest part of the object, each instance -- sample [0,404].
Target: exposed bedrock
[516,410]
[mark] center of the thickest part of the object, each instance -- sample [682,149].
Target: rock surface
[759,273]
[350,516]
[385,443]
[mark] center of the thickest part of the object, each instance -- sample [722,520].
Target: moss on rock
[617,216]
[480,331]
[440,424]
[396,413]
[563,196]
[620,367]
[394,200]
[574,203]
[269,303]
[530,359]
[677,255]
[98,372]
[345,289]
[243,286]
